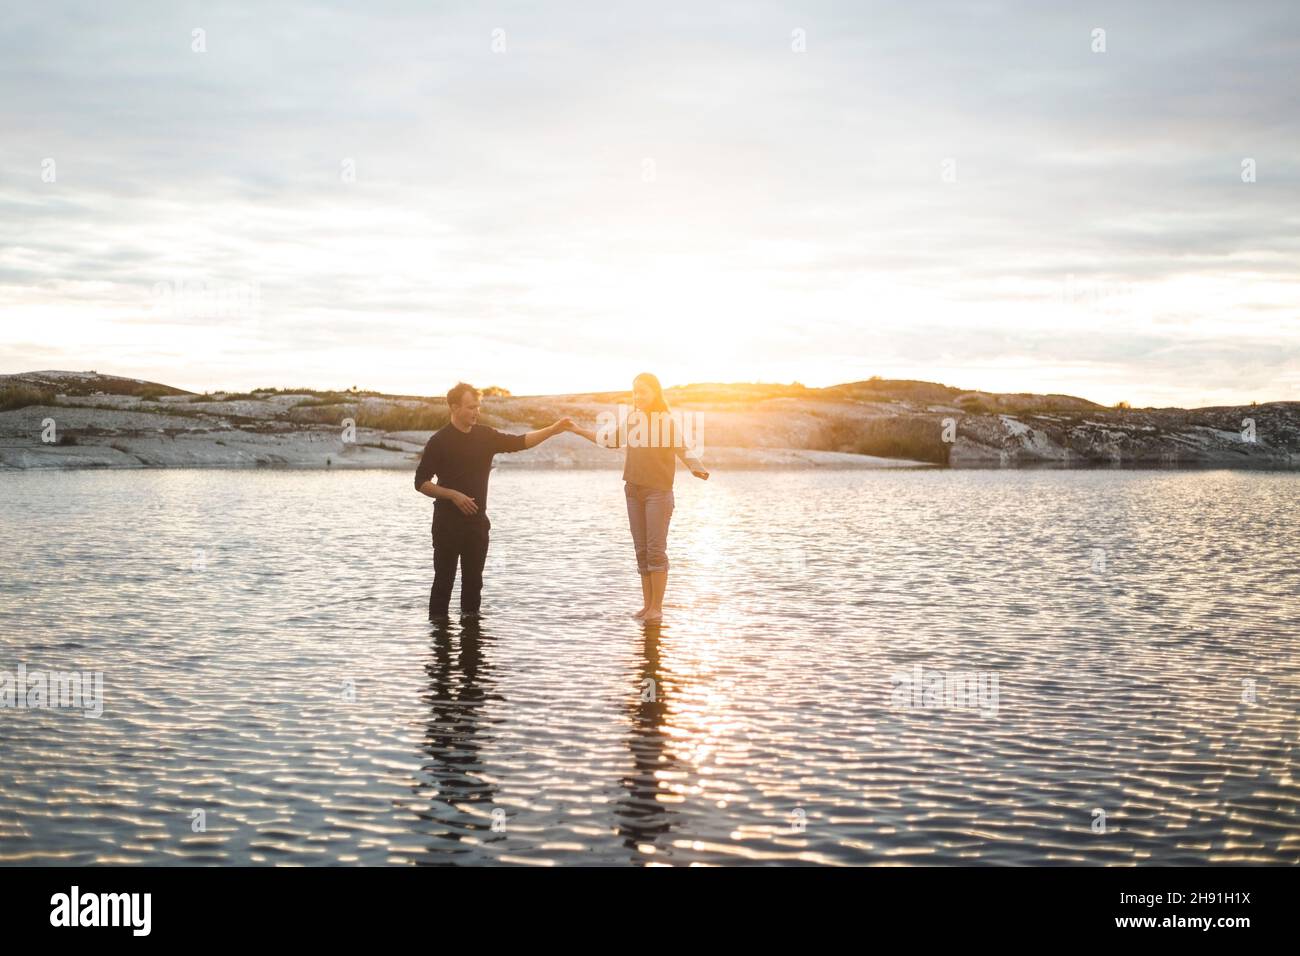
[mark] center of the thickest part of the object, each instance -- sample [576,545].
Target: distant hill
[111,421]
[89,383]
[872,390]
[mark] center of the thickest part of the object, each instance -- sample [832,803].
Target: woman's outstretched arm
[694,464]
[687,453]
[588,434]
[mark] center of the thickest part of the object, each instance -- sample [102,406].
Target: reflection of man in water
[460,455]
[454,779]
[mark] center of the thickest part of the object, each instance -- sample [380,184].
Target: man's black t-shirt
[462,461]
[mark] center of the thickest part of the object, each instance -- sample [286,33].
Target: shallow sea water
[269,672]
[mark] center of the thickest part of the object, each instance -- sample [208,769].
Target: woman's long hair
[659,403]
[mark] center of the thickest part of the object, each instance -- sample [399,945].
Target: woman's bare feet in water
[652,616]
[640,614]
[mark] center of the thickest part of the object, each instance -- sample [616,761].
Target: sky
[555,197]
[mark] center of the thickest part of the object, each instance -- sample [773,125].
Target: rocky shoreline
[64,420]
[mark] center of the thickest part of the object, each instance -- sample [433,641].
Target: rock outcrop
[88,420]
[1248,436]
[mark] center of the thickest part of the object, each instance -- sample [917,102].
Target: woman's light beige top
[653,450]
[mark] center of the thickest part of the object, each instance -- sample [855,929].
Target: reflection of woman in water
[654,443]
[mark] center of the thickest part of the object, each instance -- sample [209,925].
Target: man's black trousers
[462,540]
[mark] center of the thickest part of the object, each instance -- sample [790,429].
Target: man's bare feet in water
[653,616]
[640,614]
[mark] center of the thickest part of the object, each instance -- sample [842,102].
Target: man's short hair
[457,393]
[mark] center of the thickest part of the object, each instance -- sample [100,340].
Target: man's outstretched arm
[550,431]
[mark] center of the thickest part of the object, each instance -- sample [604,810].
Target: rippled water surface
[267,661]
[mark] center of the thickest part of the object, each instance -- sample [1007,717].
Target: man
[460,455]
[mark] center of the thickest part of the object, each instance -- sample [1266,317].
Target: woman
[654,443]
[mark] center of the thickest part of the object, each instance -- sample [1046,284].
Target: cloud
[669,183]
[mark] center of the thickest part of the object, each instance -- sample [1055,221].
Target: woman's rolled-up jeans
[648,512]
